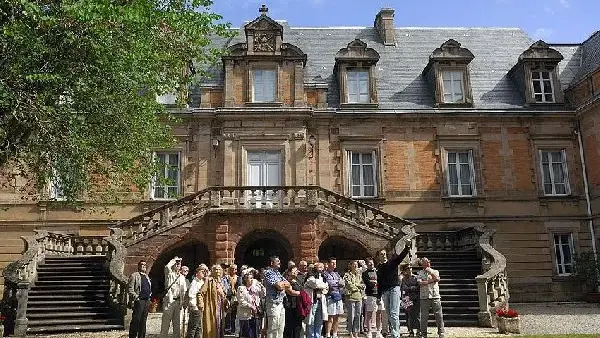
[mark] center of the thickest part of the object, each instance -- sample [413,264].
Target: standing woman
[354,294]
[213,295]
[248,295]
[293,322]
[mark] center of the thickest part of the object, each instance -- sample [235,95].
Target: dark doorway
[256,247]
[343,249]
[192,254]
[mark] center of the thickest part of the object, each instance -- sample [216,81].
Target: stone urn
[509,325]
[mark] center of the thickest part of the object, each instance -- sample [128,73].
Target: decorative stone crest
[357,50]
[264,42]
[451,50]
[541,51]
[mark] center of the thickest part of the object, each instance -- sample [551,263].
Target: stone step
[67,307]
[74,277]
[65,328]
[69,268]
[70,315]
[43,303]
[87,296]
[73,291]
[71,287]
[86,281]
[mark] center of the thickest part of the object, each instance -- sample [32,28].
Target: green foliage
[78,80]
[587,269]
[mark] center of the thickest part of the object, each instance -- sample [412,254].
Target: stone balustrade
[453,240]
[263,198]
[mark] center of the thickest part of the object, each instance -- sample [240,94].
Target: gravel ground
[536,318]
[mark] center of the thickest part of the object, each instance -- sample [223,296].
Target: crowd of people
[303,301]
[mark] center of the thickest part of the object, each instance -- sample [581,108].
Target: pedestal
[509,325]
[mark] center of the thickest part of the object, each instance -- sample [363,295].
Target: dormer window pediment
[535,74]
[354,67]
[448,74]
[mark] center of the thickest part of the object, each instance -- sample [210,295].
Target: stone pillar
[223,247]
[21,318]
[229,100]
[308,242]
[299,84]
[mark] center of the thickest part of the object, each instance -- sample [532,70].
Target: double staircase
[71,294]
[458,287]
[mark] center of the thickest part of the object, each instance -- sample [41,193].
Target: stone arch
[343,249]
[193,252]
[255,248]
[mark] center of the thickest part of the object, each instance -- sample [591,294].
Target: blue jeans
[391,301]
[316,312]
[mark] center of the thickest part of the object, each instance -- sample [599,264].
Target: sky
[554,21]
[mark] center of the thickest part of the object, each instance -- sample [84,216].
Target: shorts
[335,308]
[371,304]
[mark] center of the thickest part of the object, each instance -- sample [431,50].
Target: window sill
[558,197]
[454,105]
[465,199]
[264,104]
[359,106]
[372,201]
[545,104]
[563,278]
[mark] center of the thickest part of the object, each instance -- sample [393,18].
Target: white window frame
[457,165]
[265,86]
[361,173]
[540,70]
[559,253]
[354,77]
[551,172]
[166,187]
[454,77]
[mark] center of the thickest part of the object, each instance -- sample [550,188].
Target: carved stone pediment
[263,23]
[264,42]
[357,50]
[540,51]
[451,50]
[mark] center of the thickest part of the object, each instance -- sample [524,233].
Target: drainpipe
[587,192]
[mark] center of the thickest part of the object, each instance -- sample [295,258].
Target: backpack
[303,304]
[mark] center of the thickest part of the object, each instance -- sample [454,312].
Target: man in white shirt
[176,287]
[194,329]
[430,297]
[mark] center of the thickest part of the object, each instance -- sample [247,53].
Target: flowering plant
[506,312]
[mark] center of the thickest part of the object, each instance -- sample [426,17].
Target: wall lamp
[312,140]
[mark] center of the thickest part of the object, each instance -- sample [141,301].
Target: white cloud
[543,33]
[549,10]
[565,3]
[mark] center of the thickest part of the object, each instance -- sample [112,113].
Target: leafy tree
[78,80]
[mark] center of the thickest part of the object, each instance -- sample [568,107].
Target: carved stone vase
[509,325]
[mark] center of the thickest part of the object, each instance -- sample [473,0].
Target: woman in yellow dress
[214,299]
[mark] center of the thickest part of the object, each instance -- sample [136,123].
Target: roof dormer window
[264,85]
[448,74]
[354,69]
[535,74]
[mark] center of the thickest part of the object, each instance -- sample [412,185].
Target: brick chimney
[384,23]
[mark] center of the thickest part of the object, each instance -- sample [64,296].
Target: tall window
[55,188]
[264,82]
[554,172]
[358,86]
[453,86]
[363,174]
[460,175]
[542,84]
[166,184]
[563,249]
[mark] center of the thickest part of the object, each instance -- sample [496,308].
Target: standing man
[194,329]
[389,287]
[411,289]
[276,287]
[373,307]
[139,290]
[335,303]
[233,281]
[430,297]
[302,272]
[173,299]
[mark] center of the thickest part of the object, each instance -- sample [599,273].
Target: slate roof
[401,86]
[590,56]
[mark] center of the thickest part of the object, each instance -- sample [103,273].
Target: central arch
[255,248]
[343,249]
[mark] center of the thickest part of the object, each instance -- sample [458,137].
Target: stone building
[318,142]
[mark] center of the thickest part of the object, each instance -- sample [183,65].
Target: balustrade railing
[453,240]
[492,285]
[262,198]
